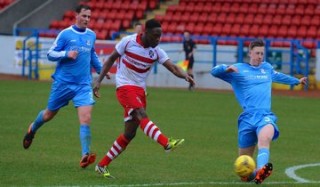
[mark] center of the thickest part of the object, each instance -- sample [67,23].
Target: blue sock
[38,122]
[262,157]
[85,138]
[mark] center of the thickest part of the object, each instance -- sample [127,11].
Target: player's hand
[231,69]
[190,80]
[303,81]
[72,54]
[96,89]
[108,75]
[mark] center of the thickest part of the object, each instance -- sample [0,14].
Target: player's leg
[119,145]
[43,116]
[83,101]
[264,168]
[247,140]
[190,71]
[59,97]
[264,139]
[84,115]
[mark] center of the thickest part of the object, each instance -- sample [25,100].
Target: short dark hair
[152,23]
[256,43]
[82,6]
[137,23]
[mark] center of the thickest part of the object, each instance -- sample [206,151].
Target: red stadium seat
[244,8]
[253,8]
[306,20]
[212,18]
[244,31]
[217,29]
[286,20]
[226,29]
[216,7]
[309,10]
[226,7]
[299,9]
[292,31]
[208,28]
[277,20]
[312,32]
[302,31]
[290,10]
[263,19]
[203,17]
[199,28]
[221,18]
[235,30]
[249,18]
[296,20]
[231,18]
[264,31]
[281,9]
[262,9]
[315,21]
[239,18]
[282,31]
[273,31]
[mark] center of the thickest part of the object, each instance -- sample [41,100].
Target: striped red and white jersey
[136,61]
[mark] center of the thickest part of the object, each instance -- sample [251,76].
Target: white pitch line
[198,184]
[291,173]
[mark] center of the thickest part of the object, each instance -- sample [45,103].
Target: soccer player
[138,28]
[137,53]
[74,52]
[189,47]
[257,126]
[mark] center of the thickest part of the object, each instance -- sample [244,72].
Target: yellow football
[244,166]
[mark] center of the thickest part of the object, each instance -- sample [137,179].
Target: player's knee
[129,135]
[139,114]
[48,115]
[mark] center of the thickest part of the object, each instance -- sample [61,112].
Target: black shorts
[191,61]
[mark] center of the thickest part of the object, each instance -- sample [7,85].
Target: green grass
[206,119]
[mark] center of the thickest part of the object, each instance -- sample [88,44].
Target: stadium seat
[312,32]
[306,20]
[292,31]
[217,29]
[286,20]
[235,30]
[207,30]
[282,31]
[244,31]
[315,20]
[231,18]
[296,20]
[302,31]
[226,29]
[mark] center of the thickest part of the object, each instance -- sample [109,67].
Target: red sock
[118,146]
[152,131]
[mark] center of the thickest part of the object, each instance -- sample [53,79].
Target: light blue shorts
[61,93]
[250,124]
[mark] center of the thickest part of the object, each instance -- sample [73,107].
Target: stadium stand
[286,19]
[5,3]
[110,16]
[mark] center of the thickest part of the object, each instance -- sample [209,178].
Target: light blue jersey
[252,87]
[72,78]
[76,71]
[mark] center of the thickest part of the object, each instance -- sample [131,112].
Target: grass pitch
[206,119]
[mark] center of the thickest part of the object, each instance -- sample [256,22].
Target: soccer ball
[244,166]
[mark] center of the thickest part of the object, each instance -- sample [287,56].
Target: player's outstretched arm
[177,71]
[104,72]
